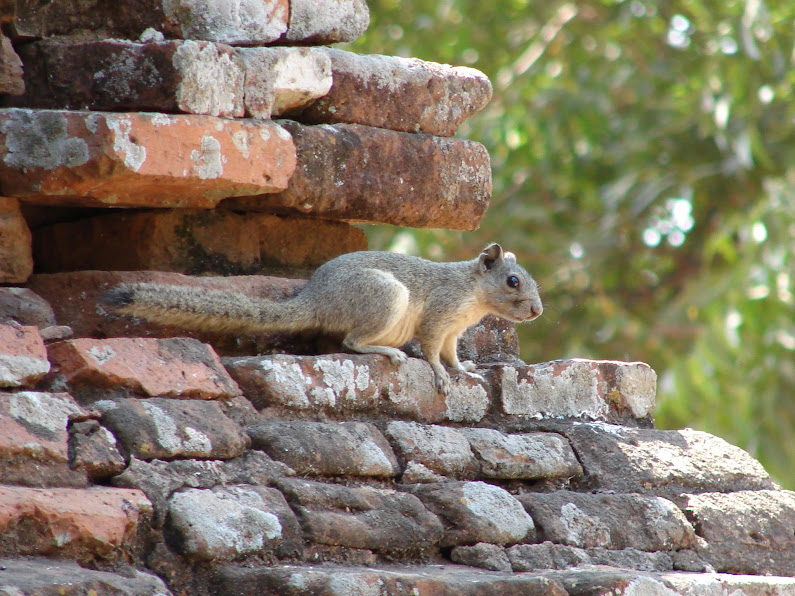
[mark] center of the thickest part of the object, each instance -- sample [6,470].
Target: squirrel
[378,301]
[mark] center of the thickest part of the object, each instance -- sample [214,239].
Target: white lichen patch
[247,22]
[208,161]
[466,403]
[211,81]
[101,354]
[240,139]
[287,382]
[174,439]
[16,371]
[358,584]
[133,154]
[582,529]
[48,411]
[499,509]
[40,139]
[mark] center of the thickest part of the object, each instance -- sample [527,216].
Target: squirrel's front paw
[442,382]
[398,357]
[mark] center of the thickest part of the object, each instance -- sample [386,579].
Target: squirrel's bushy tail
[205,310]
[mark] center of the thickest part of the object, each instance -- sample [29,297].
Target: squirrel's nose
[536,310]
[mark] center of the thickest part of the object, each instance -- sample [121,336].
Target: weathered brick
[536,557]
[341,385]
[34,448]
[37,575]
[16,256]
[12,81]
[93,449]
[371,175]
[326,21]
[175,367]
[191,77]
[661,462]
[614,521]
[595,389]
[717,584]
[25,307]
[483,555]
[78,298]
[23,357]
[526,455]
[194,242]
[156,428]
[83,524]
[403,94]
[232,521]
[362,517]
[283,79]
[139,159]
[333,449]
[439,448]
[476,512]
[746,531]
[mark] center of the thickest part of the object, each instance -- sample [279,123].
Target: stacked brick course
[141,459]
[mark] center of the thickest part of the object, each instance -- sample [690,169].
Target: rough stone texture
[191,77]
[720,584]
[194,242]
[158,428]
[403,94]
[23,357]
[491,340]
[631,558]
[483,555]
[528,456]
[333,449]
[370,175]
[93,448]
[246,22]
[35,576]
[282,79]
[439,448]
[612,521]
[160,479]
[78,298]
[139,159]
[535,557]
[327,21]
[418,580]
[342,385]
[746,531]
[476,512]
[362,517]
[578,388]
[610,582]
[33,439]
[84,524]
[174,367]
[12,81]
[16,256]
[662,462]
[25,307]
[232,521]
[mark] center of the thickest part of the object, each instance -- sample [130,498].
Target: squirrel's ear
[490,255]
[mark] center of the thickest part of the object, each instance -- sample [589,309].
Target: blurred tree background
[643,155]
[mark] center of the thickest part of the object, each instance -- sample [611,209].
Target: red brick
[16,256]
[85,524]
[177,367]
[23,357]
[11,81]
[91,159]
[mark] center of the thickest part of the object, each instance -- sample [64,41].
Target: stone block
[174,367]
[342,385]
[362,517]
[34,448]
[25,307]
[522,456]
[93,159]
[328,449]
[595,389]
[747,531]
[491,340]
[417,580]
[538,557]
[614,521]
[159,479]
[195,242]
[631,558]
[40,576]
[327,21]
[476,512]
[191,77]
[12,81]
[606,581]
[16,253]
[157,428]
[483,555]
[719,584]
[23,357]
[282,79]
[245,22]
[94,524]
[93,450]
[405,94]
[371,175]
[231,521]
[661,462]
[441,449]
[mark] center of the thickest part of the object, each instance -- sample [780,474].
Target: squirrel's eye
[513,281]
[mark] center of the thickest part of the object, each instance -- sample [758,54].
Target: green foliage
[643,158]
